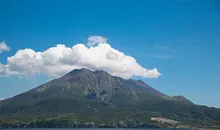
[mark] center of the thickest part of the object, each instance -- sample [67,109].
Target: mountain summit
[96,95]
[97,85]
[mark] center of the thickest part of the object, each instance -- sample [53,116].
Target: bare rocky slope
[96,95]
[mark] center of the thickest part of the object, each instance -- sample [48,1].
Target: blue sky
[181,38]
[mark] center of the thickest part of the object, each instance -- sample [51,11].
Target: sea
[84,129]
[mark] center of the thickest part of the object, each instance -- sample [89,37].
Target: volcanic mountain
[96,95]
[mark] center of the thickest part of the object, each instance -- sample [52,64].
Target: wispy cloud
[160,56]
[4,47]
[165,48]
[162,52]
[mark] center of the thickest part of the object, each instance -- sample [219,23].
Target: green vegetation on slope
[84,98]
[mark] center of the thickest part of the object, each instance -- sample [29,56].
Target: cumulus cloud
[94,40]
[4,47]
[56,61]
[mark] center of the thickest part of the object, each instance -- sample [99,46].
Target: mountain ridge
[87,94]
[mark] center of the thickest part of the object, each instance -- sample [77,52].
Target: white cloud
[4,47]
[59,60]
[1,99]
[94,40]
[2,69]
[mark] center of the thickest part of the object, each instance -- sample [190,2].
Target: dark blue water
[85,129]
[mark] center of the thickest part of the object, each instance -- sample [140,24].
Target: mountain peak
[81,70]
[98,94]
[100,80]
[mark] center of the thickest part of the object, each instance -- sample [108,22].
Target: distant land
[90,99]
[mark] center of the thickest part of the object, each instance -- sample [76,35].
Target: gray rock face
[101,84]
[96,85]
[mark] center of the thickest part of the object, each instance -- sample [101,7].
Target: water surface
[84,129]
